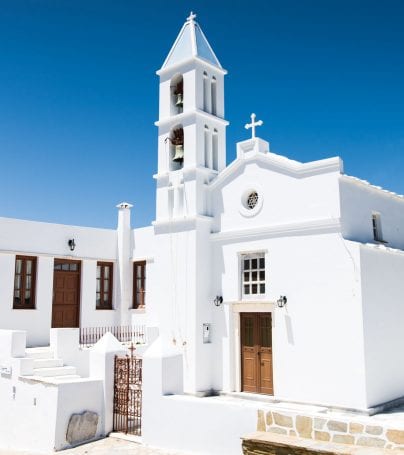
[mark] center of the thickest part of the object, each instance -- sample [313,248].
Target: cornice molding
[282,165]
[190,117]
[162,72]
[179,224]
[322,226]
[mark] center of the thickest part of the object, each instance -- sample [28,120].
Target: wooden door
[66,294]
[256,353]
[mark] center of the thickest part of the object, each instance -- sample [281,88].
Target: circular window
[252,200]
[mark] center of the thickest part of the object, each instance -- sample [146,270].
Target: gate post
[102,359]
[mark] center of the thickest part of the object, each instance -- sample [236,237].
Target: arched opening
[176,148]
[177,94]
[207,146]
[205,92]
[215,150]
[213,90]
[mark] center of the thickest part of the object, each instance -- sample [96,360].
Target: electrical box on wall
[207,329]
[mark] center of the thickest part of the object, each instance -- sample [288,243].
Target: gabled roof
[191,42]
[280,164]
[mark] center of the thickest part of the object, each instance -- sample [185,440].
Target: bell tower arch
[191,125]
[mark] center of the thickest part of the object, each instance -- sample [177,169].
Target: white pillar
[124,291]
[102,360]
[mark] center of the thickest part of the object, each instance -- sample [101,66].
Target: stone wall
[261,443]
[330,429]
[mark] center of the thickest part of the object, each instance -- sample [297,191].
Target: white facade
[334,342]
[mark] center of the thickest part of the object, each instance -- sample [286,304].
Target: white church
[265,277]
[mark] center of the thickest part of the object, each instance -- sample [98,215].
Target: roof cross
[253,124]
[191,17]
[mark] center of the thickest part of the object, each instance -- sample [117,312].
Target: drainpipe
[124,263]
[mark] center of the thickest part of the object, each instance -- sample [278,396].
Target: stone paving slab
[105,447]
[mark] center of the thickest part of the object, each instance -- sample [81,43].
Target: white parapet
[12,344]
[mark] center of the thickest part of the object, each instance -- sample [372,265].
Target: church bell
[179,101]
[179,153]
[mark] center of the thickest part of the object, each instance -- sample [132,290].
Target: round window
[252,200]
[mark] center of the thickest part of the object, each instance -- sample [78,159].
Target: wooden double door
[66,293]
[256,353]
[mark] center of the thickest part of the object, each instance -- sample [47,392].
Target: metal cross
[132,349]
[253,124]
[191,17]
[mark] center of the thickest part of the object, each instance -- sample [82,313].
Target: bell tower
[191,125]
[191,152]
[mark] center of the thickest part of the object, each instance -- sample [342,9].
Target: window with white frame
[252,275]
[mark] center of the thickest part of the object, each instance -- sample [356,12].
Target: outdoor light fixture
[72,244]
[282,301]
[218,300]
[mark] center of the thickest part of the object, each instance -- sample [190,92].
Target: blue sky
[79,94]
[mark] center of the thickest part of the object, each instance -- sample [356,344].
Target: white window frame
[257,255]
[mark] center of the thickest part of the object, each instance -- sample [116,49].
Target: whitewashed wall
[383,321]
[34,416]
[48,241]
[317,337]
[22,421]
[36,322]
[284,197]
[37,238]
[89,315]
[358,201]
[143,249]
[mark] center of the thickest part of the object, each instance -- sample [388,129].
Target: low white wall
[28,415]
[35,415]
[383,321]
[65,345]
[211,425]
[76,398]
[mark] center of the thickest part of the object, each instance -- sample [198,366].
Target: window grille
[253,275]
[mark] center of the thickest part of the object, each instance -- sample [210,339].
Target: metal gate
[128,395]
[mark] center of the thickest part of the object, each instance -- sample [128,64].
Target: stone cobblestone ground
[105,447]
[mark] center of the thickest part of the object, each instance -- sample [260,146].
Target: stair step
[39,353]
[55,371]
[47,363]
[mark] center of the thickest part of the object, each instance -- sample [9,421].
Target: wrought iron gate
[128,395]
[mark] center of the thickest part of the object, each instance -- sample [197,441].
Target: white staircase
[47,368]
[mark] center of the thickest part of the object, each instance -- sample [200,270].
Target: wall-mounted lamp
[282,301]
[72,244]
[218,300]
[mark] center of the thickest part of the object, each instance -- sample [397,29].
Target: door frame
[258,355]
[70,261]
[247,307]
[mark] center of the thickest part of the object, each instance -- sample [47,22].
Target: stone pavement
[105,447]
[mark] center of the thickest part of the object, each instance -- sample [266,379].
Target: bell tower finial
[191,17]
